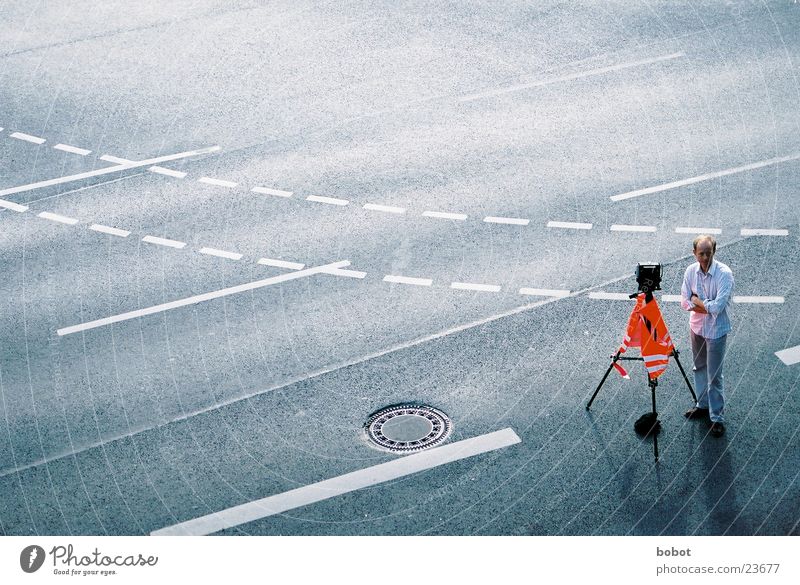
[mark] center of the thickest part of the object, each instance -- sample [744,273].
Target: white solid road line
[221,253]
[384,208]
[600,71]
[114,169]
[328,200]
[58,218]
[72,149]
[276,192]
[345,273]
[167,172]
[343,484]
[544,292]
[443,215]
[763,232]
[506,220]
[217,182]
[694,230]
[607,296]
[28,138]
[758,299]
[408,280]
[473,286]
[706,177]
[104,229]
[632,228]
[569,225]
[281,263]
[164,242]
[13,206]
[193,300]
[789,356]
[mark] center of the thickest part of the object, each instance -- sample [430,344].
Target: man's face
[704,254]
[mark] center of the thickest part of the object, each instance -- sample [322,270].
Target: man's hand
[698,307]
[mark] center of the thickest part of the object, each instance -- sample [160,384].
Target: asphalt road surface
[232,231]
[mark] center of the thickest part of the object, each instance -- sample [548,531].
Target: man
[706,293]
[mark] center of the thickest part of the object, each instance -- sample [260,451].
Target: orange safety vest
[647,330]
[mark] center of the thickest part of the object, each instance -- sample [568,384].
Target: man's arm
[686,292]
[716,305]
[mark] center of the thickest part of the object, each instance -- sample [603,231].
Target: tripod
[651,382]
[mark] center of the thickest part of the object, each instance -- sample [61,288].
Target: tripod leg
[653,384]
[603,381]
[677,361]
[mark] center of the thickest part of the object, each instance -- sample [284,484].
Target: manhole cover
[405,428]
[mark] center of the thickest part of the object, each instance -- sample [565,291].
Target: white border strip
[164,242]
[632,228]
[408,280]
[104,229]
[609,296]
[569,225]
[58,218]
[694,230]
[763,232]
[384,208]
[281,264]
[193,300]
[760,299]
[72,149]
[28,138]
[221,253]
[473,286]
[217,182]
[443,215]
[544,292]
[328,200]
[506,220]
[790,355]
[343,484]
[276,192]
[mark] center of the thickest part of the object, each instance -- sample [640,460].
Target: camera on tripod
[648,277]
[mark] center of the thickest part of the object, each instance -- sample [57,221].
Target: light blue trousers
[708,355]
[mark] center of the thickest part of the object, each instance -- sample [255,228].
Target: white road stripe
[167,172]
[706,177]
[763,232]
[757,299]
[694,230]
[473,286]
[607,296]
[600,71]
[114,169]
[13,206]
[72,149]
[164,242]
[408,280]
[345,273]
[506,220]
[109,230]
[217,182]
[671,298]
[343,484]
[28,138]
[384,208]
[328,200]
[115,159]
[221,253]
[632,228]
[58,218]
[193,300]
[276,192]
[443,215]
[569,225]
[544,292]
[789,356]
[281,264]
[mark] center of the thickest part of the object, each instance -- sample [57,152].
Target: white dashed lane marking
[275,192]
[763,232]
[217,182]
[28,138]
[58,218]
[569,225]
[544,292]
[13,206]
[221,253]
[327,200]
[407,280]
[607,296]
[343,484]
[115,159]
[164,242]
[632,228]
[345,273]
[443,215]
[789,356]
[384,208]
[474,286]
[281,264]
[104,229]
[758,299]
[694,230]
[72,149]
[506,220]
[671,298]
[167,172]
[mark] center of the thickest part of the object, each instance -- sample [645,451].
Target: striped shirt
[715,289]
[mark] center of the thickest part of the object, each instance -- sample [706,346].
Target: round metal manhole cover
[405,428]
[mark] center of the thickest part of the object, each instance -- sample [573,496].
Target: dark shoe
[717,429]
[696,412]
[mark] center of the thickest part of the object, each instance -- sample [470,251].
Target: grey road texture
[232,231]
